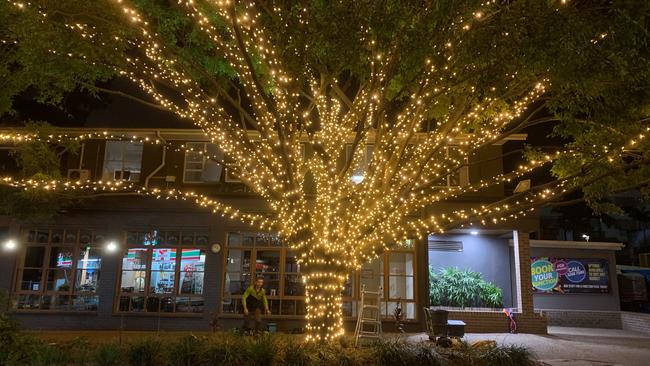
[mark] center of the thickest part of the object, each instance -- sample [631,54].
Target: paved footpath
[577,346]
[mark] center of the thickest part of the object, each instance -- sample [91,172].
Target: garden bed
[235,349]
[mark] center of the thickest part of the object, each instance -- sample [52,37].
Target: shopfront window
[59,270]
[165,277]
[393,274]
[251,255]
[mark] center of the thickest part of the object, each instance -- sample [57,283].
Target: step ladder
[368,315]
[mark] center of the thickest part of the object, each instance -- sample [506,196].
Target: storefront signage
[563,275]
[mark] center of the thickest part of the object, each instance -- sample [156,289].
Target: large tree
[266,79]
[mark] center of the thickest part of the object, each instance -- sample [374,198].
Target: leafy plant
[261,351]
[145,352]
[8,329]
[187,351]
[224,349]
[109,354]
[452,286]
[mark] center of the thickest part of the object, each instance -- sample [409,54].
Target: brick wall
[637,322]
[584,318]
[497,322]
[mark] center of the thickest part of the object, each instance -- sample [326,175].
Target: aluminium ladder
[368,315]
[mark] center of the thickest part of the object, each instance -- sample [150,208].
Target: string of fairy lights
[344,220]
[102,187]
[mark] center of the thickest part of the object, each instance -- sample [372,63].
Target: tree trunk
[324,285]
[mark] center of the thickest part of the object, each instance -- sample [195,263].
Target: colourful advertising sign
[562,275]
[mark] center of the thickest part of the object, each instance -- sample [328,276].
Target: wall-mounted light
[9,245]
[111,246]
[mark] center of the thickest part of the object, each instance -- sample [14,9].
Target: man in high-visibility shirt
[254,303]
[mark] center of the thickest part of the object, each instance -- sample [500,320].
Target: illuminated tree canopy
[295,93]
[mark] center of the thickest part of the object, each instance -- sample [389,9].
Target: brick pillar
[521,244]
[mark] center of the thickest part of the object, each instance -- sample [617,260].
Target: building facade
[137,263]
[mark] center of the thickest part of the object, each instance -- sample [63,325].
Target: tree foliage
[407,77]
[37,160]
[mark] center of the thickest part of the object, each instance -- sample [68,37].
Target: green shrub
[224,349]
[506,356]
[298,354]
[462,288]
[187,351]
[261,351]
[394,352]
[145,352]
[109,354]
[43,354]
[266,350]
[8,329]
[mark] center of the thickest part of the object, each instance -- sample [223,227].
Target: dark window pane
[274,307]
[234,239]
[47,302]
[57,236]
[288,307]
[300,308]
[99,238]
[124,303]
[167,305]
[291,263]
[42,236]
[293,285]
[85,303]
[187,239]
[61,302]
[132,238]
[172,238]
[261,240]
[31,280]
[28,302]
[231,306]
[237,283]
[349,308]
[275,241]
[59,279]
[85,237]
[202,239]
[153,304]
[137,303]
[247,240]
[189,304]
[34,256]
[70,236]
